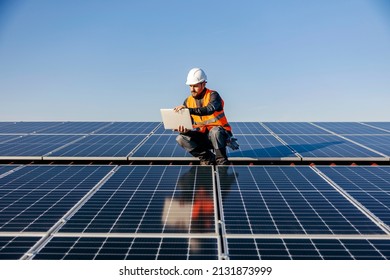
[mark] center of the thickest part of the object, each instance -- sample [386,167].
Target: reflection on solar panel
[309,249]
[139,207]
[34,198]
[150,199]
[326,146]
[287,200]
[294,128]
[93,248]
[369,186]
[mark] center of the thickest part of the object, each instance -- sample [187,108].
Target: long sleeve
[214,105]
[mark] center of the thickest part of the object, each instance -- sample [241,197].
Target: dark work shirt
[214,105]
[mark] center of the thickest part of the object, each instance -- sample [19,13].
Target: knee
[216,132]
[180,139]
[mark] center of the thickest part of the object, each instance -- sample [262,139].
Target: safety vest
[205,123]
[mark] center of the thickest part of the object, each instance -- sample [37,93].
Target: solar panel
[294,128]
[161,146]
[26,127]
[379,143]
[150,199]
[13,247]
[75,128]
[248,128]
[6,138]
[326,146]
[129,128]
[308,249]
[34,145]
[100,146]
[380,125]
[6,168]
[189,211]
[139,248]
[34,198]
[370,186]
[349,128]
[261,146]
[287,200]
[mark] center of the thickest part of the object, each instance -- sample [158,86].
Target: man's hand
[178,108]
[181,129]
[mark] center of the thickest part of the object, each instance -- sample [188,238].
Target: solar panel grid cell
[326,146]
[274,200]
[129,248]
[349,128]
[101,146]
[370,186]
[294,128]
[150,199]
[34,198]
[308,249]
[13,248]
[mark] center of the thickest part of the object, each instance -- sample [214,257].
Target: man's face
[197,89]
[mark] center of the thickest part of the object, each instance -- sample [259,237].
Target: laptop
[172,119]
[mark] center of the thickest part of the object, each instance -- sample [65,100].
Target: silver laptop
[172,119]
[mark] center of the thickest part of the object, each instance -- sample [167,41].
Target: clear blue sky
[279,60]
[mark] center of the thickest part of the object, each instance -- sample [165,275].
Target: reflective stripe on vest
[217,118]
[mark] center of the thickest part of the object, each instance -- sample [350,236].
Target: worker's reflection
[192,208]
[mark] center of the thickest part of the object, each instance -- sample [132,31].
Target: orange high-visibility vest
[204,123]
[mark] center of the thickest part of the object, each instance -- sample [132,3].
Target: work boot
[221,157]
[207,158]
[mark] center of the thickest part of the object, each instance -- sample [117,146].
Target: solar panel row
[148,140]
[174,212]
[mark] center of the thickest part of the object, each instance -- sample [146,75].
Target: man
[211,129]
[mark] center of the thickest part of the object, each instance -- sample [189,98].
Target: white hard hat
[196,76]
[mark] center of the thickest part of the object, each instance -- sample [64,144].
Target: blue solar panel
[368,185]
[140,248]
[349,128]
[150,199]
[326,146]
[294,128]
[6,168]
[248,128]
[161,146]
[75,128]
[6,138]
[35,145]
[380,125]
[261,146]
[309,249]
[379,143]
[13,248]
[27,127]
[129,128]
[34,198]
[101,146]
[287,200]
